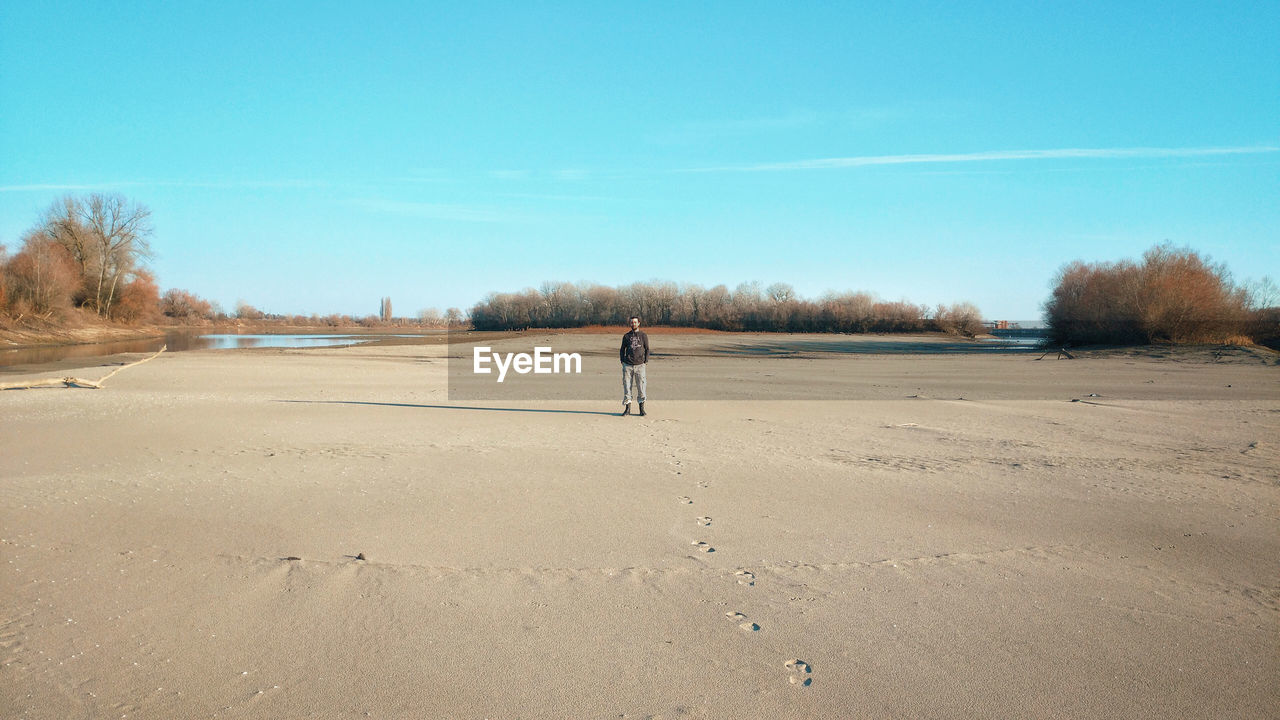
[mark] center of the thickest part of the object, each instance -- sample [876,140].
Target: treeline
[749,307]
[86,255]
[85,261]
[1172,295]
[187,308]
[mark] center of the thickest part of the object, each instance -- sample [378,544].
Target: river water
[176,342]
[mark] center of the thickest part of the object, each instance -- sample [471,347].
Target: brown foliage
[4,283]
[139,301]
[959,319]
[185,307]
[1173,295]
[107,237]
[40,279]
[245,311]
[750,306]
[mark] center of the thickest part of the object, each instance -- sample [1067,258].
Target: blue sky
[314,157]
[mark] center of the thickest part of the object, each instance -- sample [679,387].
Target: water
[231,342]
[177,342]
[186,340]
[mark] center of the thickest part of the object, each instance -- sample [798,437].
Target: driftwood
[75,381]
[1061,352]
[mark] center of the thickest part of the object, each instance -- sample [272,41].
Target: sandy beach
[801,532]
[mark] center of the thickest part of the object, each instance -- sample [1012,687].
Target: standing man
[634,353]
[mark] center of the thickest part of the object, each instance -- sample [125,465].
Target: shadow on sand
[450,407]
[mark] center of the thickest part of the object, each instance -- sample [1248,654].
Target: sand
[856,535]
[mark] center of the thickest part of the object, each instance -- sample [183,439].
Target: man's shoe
[626,409]
[641,409]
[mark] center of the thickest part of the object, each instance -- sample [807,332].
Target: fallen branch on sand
[74,381]
[1061,352]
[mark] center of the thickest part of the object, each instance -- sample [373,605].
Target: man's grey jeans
[632,373]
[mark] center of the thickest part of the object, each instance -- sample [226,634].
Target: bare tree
[1263,293]
[119,231]
[430,317]
[960,319]
[107,236]
[245,311]
[780,293]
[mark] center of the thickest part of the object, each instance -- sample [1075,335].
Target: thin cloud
[991,156]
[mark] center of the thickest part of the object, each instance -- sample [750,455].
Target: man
[634,353]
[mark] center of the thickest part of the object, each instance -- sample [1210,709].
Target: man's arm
[645,337]
[622,351]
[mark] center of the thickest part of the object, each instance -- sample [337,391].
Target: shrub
[959,319]
[41,278]
[245,311]
[139,300]
[185,307]
[1173,295]
[4,285]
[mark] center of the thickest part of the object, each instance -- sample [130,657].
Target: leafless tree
[108,238]
[749,307]
[430,317]
[780,293]
[245,311]
[959,319]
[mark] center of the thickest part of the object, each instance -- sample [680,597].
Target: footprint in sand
[799,672]
[684,499]
[703,484]
[702,546]
[742,621]
[746,577]
[704,521]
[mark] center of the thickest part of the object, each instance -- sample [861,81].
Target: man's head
[635,322]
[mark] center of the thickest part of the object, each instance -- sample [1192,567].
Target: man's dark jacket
[635,348]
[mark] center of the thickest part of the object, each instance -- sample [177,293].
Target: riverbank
[50,336]
[268,533]
[90,334]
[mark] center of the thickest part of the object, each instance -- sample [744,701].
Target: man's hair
[633,317]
